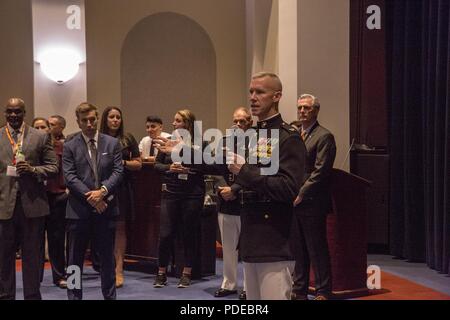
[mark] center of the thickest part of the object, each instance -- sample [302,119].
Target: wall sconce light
[60,65]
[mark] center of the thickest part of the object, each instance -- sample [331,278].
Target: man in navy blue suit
[92,164]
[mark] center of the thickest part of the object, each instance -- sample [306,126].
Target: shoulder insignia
[288,128]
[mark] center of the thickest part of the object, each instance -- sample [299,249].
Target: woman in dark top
[112,124]
[182,199]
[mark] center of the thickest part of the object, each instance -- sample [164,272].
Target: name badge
[183,176]
[11,171]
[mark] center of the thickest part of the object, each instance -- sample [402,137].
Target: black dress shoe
[321,297]
[223,293]
[242,295]
[298,296]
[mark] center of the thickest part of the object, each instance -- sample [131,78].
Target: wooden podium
[143,229]
[347,235]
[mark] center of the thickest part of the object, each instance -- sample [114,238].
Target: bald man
[229,219]
[27,159]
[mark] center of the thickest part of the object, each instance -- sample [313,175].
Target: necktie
[304,135]
[93,150]
[14,135]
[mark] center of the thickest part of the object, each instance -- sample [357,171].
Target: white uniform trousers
[230,228]
[269,280]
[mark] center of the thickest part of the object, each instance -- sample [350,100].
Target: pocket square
[104,153]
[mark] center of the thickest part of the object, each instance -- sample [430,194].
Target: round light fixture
[60,65]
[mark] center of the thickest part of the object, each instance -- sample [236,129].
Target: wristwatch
[104,191]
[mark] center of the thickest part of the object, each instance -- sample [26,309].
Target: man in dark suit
[26,161]
[92,164]
[229,218]
[57,200]
[313,203]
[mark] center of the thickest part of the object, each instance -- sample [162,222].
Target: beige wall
[323,62]
[16,55]
[323,52]
[307,43]
[168,63]
[109,21]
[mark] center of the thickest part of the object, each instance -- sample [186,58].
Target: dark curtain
[419,109]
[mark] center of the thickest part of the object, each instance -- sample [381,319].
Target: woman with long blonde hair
[181,205]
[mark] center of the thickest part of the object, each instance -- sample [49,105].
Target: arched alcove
[168,62]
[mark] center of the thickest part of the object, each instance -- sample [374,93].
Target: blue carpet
[138,286]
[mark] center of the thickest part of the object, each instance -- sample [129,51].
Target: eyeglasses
[241,122]
[305,108]
[13,111]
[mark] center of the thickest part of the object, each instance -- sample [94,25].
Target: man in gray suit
[313,203]
[27,159]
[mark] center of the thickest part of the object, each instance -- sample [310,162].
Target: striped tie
[304,135]
[15,135]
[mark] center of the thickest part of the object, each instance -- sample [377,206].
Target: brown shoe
[119,280]
[320,297]
[62,284]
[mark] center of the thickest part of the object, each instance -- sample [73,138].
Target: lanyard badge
[18,155]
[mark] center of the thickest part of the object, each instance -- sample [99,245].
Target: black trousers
[100,230]
[56,235]
[28,234]
[311,247]
[180,217]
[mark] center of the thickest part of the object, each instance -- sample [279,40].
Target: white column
[288,57]
[59,24]
[260,16]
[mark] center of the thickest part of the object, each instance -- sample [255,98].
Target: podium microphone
[348,153]
[233,129]
[230,136]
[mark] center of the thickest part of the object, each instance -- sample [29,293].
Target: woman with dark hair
[112,124]
[183,192]
[41,124]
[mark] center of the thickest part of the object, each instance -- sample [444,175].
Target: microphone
[348,153]
[228,143]
[233,129]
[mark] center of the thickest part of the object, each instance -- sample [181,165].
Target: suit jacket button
[266,216]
